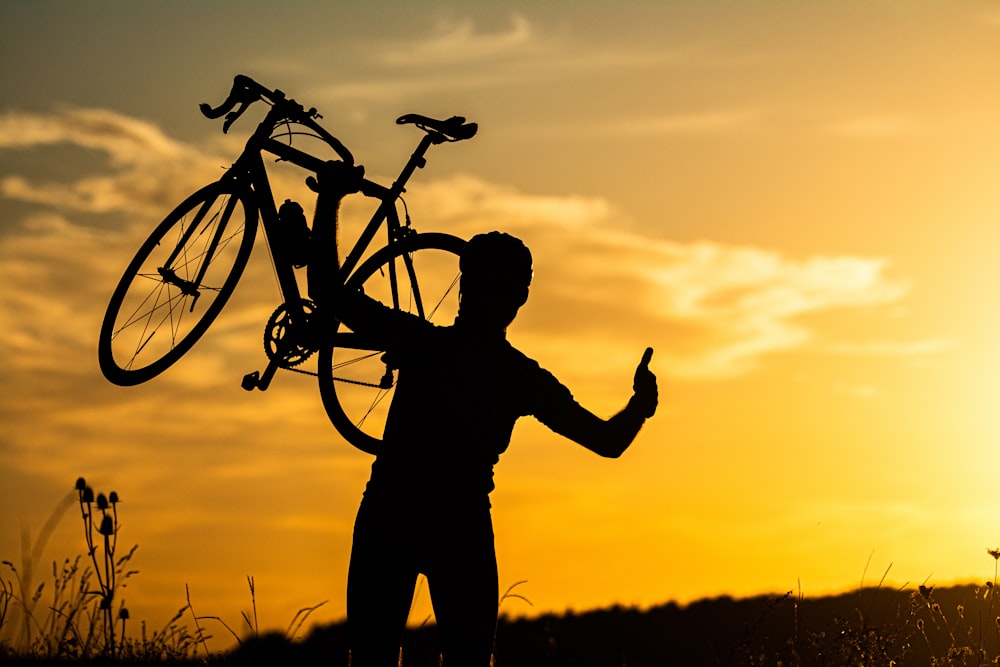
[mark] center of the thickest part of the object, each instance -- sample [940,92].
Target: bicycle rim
[426,273]
[176,284]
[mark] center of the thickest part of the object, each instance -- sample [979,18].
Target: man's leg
[464,589]
[380,587]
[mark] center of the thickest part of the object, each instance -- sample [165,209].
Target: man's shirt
[458,394]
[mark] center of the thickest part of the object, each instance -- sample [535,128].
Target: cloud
[460,42]
[708,121]
[893,348]
[459,54]
[127,140]
[715,310]
[712,309]
[877,126]
[863,391]
[148,171]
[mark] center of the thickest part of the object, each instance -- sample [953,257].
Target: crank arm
[258,380]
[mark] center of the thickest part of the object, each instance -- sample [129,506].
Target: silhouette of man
[426,507]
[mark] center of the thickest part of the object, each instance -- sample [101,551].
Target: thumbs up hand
[646,394]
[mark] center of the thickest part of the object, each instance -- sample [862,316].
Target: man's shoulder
[528,365]
[543,390]
[515,355]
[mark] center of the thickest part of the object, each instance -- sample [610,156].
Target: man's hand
[644,385]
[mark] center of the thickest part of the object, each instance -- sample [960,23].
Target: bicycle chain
[297,354]
[337,379]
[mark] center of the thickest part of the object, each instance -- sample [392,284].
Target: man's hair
[496,259]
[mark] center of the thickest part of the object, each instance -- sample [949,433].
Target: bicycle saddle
[453,129]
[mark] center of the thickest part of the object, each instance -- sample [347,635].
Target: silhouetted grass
[79,615]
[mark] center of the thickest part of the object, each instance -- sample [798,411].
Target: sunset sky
[795,204]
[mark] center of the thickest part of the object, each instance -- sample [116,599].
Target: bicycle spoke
[351,362]
[173,306]
[147,319]
[447,293]
[379,397]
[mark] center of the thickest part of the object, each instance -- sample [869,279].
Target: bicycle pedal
[251,381]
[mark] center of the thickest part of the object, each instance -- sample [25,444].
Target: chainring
[288,334]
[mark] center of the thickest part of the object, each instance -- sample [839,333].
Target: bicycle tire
[147,302]
[356,409]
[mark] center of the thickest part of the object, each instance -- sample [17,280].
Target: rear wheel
[177,284]
[355,383]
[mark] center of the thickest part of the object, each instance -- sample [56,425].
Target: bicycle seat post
[416,161]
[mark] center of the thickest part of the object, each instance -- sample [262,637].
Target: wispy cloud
[716,310]
[147,170]
[854,390]
[708,121]
[894,348]
[460,42]
[127,140]
[877,126]
[460,54]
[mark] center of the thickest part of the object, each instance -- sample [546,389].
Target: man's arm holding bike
[383,327]
[360,313]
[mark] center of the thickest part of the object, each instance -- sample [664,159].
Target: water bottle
[296,231]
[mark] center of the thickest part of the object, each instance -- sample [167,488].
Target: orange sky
[793,203]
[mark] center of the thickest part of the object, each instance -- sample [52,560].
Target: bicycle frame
[250,171]
[201,248]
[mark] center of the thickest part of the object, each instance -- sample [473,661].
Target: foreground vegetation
[77,616]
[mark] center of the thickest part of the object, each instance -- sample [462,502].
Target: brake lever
[239,85]
[244,92]
[232,116]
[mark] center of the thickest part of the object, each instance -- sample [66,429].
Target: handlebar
[246,91]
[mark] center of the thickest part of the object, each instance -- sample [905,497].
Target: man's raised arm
[609,437]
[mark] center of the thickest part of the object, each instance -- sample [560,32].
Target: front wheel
[355,382]
[177,283]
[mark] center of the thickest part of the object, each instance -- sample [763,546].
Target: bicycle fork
[169,274]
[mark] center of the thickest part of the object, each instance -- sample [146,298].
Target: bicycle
[184,273]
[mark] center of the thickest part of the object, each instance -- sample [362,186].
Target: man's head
[496,273]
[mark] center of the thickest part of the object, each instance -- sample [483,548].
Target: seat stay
[387,209]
